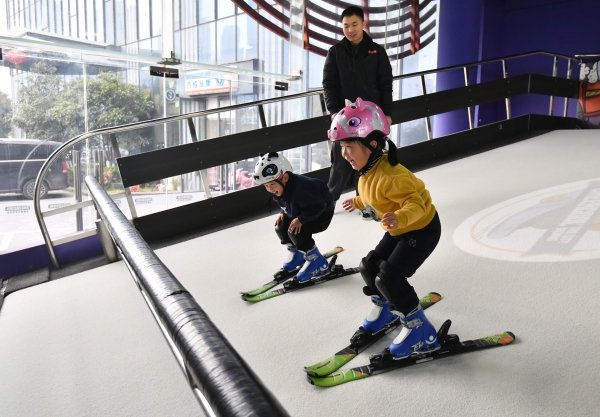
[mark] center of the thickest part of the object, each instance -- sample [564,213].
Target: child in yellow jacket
[399,200]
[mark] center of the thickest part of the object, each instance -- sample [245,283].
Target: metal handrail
[258,103]
[186,338]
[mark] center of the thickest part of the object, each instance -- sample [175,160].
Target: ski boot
[379,319]
[295,260]
[315,266]
[418,336]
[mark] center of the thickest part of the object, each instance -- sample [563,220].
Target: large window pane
[315,71]
[99,8]
[73,19]
[65,18]
[156,17]
[51,17]
[82,31]
[131,18]
[189,44]
[247,37]
[90,24]
[43,19]
[109,23]
[188,13]
[225,8]
[206,39]
[226,40]
[144,18]
[120,22]
[206,10]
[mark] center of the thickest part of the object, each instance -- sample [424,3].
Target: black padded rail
[222,211]
[211,214]
[176,160]
[228,384]
[182,159]
[430,153]
[227,210]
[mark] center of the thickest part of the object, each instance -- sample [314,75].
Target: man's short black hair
[353,11]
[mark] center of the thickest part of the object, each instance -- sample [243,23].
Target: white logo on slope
[556,224]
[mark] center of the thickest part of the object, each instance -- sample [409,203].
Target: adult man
[355,67]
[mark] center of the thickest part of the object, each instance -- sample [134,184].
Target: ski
[282,275]
[333,363]
[337,271]
[383,362]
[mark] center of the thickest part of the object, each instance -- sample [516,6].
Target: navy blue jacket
[305,198]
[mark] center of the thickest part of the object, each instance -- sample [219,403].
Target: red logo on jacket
[372,51]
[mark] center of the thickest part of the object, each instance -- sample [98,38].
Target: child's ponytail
[392,152]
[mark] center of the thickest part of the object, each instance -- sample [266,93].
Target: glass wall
[102,79]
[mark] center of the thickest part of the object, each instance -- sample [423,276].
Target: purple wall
[37,257]
[472,30]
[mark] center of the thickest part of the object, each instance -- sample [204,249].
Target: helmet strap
[376,154]
[278,180]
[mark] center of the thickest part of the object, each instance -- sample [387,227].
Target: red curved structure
[414,21]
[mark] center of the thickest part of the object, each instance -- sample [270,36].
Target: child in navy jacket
[306,208]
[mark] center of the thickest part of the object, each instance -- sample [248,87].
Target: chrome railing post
[566,103]
[98,165]
[261,115]
[324,112]
[117,151]
[76,159]
[427,118]
[201,173]
[469,108]
[507,99]
[322,101]
[108,245]
[554,72]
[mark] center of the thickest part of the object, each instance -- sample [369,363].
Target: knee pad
[382,284]
[369,268]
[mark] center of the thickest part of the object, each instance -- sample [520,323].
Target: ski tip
[315,374]
[507,338]
[435,296]
[334,251]
[251,298]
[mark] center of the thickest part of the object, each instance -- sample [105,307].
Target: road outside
[19,228]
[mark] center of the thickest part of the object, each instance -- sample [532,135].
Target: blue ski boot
[315,266]
[417,336]
[379,318]
[295,260]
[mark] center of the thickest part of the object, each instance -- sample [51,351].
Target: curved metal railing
[260,105]
[221,380]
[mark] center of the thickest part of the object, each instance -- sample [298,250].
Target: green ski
[283,275]
[383,362]
[333,363]
[337,271]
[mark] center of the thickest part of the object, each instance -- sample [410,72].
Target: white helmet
[270,167]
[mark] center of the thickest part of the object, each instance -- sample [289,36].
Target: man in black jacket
[355,67]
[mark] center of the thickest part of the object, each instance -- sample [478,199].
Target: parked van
[20,162]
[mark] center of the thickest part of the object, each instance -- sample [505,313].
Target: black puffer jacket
[363,72]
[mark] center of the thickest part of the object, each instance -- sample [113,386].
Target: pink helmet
[357,120]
